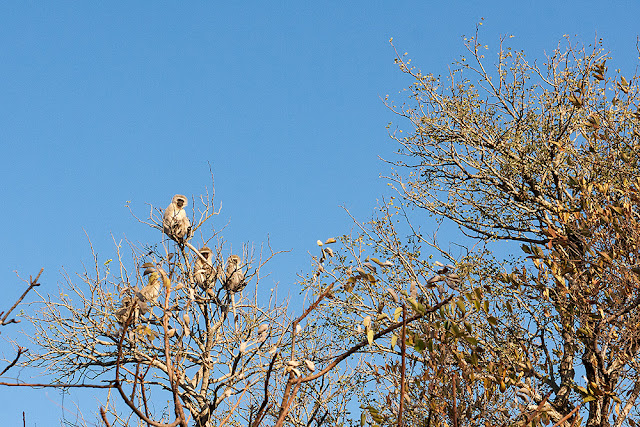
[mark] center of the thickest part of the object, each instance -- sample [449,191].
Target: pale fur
[174,221]
[204,272]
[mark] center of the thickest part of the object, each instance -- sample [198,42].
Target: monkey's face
[180,201]
[205,252]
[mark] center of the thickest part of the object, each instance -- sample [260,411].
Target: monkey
[151,291]
[232,281]
[205,274]
[125,311]
[175,223]
[139,301]
[234,278]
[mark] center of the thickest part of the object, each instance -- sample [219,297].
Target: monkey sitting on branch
[137,302]
[175,223]
[233,280]
[205,274]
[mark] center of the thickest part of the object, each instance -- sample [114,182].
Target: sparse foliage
[182,337]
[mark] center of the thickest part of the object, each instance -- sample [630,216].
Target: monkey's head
[233,260]
[180,201]
[205,252]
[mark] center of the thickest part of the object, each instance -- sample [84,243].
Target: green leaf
[416,305]
[582,390]
[468,326]
[456,329]
[471,340]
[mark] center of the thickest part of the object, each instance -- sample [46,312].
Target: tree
[174,343]
[545,155]
[213,353]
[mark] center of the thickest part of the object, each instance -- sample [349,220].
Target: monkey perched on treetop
[174,221]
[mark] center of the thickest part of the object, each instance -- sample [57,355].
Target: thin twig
[32,283]
[285,411]
[566,417]
[294,326]
[224,421]
[538,409]
[404,366]
[263,407]
[59,385]
[20,351]
[118,386]
[455,404]
[103,414]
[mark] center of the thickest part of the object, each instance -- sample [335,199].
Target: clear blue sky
[107,102]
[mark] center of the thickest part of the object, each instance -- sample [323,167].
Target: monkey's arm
[190,246]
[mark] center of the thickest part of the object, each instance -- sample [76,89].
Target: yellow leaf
[605,256]
[394,340]
[370,336]
[367,321]
[393,294]
[397,313]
